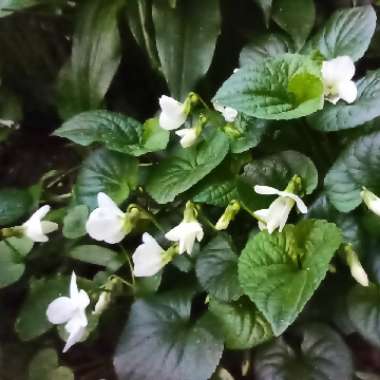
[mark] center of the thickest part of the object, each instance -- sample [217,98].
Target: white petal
[278,213]
[104,201]
[218,107]
[262,214]
[172,115]
[299,202]
[83,300]
[41,212]
[74,292]
[348,91]
[189,137]
[75,336]
[338,69]
[48,227]
[170,105]
[230,114]
[266,190]
[150,241]
[359,274]
[60,310]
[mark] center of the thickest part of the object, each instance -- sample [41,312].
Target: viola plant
[204,221]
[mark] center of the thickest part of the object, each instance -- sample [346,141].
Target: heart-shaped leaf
[357,166]
[160,342]
[113,173]
[240,323]
[285,87]
[186,167]
[322,355]
[280,272]
[216,269]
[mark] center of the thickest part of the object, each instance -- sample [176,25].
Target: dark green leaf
[160,342]
[286,14]
[94,254]
[364,311]
[267,45]
[357,166]
[345,116]
[74,223]
[45,366]
[277,170]
[32,321]
[280,272]
[116,131]
[13,205]
[322,355]
[186,167]
[241,324]
[186,37]
[216,269]
[113,173]
[348,32]
[95,57]
[284,87]
[12,266]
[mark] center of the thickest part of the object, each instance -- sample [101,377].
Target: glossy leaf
[357,166]
[186,37]
[14,204]
[74,223]
[348,32]
[241,324]
[216,269]
[280,272]
[160,342]
[186,167]
[113,173]
[284,87]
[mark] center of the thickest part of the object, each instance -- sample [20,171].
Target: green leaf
[216,269]
[364,311]
[7,7]
[345,116]
[32,321]
[45,366]
[94,254]
[95,57]
[241,324]
[261,47]
[266,6]
[145,286]
[186,167]
[14,204]
[12,266]
[250,132]
[113,173]
[74,223]
[277,170]
[286,14]
[356,166]
[280,272]
[284,87]
[116,131]
[186,37]
[348,32]
[160,342]
[322,355]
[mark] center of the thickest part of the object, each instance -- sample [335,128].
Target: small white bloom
[36,229]
[359,274]
[188,136]
[70,311]
[278,212]
[7,123]
[228,113]
[148,257]
[337,77]
[172,113]
[106,223]
[186,233]
[371,200]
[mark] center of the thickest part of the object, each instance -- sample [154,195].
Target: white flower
[36,229]
[228,113]
[173,113]
[359,274]
[71,311]
[337,77]
[371,200]
[186,233]
[188,136]
[278,212]
[106,223]
[148,258]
